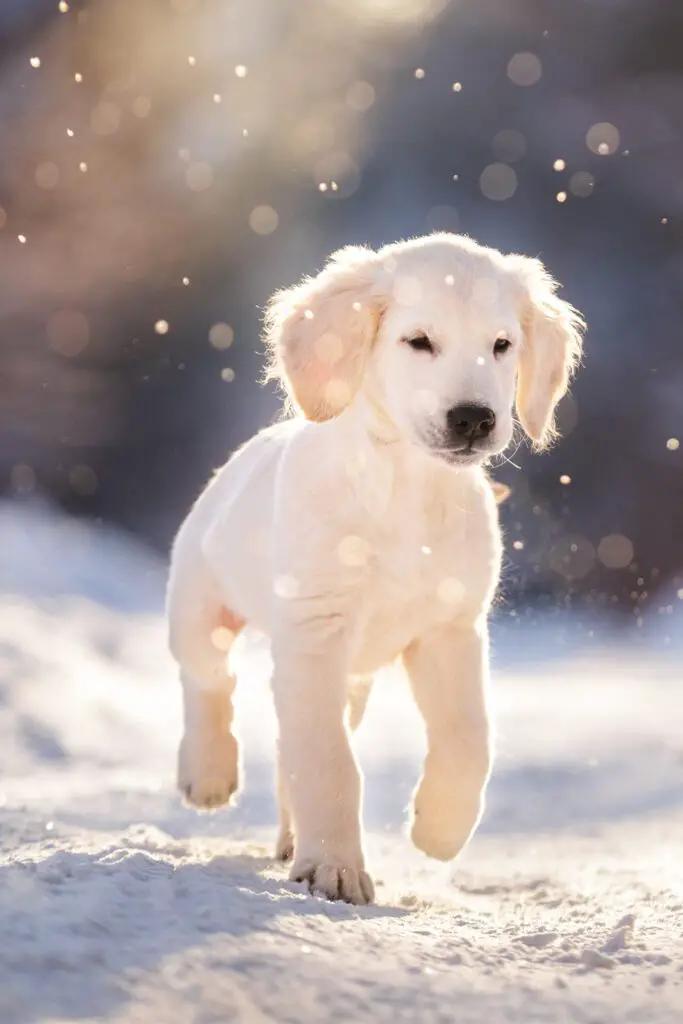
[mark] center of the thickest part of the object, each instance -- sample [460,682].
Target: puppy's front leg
[320,773]
[448,671]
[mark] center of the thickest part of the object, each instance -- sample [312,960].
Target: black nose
[470,423]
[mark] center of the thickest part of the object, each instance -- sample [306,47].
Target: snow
[118,904]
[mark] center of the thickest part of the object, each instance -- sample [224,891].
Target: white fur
[352,536]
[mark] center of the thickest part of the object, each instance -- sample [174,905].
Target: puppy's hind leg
[202,632]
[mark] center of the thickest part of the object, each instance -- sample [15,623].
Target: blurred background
[167,164]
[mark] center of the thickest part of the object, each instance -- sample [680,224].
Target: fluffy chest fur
[434,558]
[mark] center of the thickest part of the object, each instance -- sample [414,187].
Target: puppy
[363,529]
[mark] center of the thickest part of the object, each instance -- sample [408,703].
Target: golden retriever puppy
[363,529]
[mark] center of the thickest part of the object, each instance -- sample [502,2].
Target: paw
[335,882]
[208,772]
[284,847]
[433,840]
[442,826]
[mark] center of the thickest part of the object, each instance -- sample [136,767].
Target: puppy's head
[439,334]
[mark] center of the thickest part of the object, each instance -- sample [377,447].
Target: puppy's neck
[372,417]
[375,435]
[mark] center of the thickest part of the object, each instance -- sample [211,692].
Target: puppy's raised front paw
[208,772]
[443,821]
[335,882]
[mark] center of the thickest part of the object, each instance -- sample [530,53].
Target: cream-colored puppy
[364,529]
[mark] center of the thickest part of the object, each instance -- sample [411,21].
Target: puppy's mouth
[468,455]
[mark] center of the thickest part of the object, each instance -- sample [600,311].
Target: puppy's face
[440,334]
[446,356]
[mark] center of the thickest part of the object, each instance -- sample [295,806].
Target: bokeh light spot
[615,551]
[68,332]
[83,480]
[263,220]
[199,177]
[286,587]
[222,638]
[603,138]
[360,96]
[337,392]
[525,69]
[23,478]
[450,590]
[47,175]
[221,335]
[353,551]
[509,145]
[581,184]
[498,182]
[105,118]
[329,348]
[141,106]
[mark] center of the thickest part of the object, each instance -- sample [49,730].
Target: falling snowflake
[161,327]
[673,444]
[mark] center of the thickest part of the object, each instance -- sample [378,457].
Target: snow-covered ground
[118,904]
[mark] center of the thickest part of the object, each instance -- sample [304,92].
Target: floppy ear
[319,333]
[550,353]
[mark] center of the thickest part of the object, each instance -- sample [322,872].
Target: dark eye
[420,342]
[501,346]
